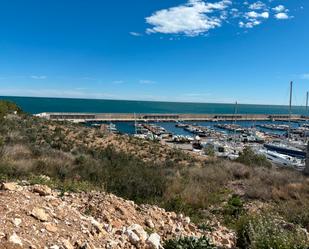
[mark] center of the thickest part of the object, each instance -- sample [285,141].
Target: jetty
[125,117]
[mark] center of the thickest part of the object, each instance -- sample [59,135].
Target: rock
[187,220]
[54,247]
[67,244]
[14,239]
[40,214]
[51,227]
[2,235]
[154,241]
[97,226]
[149,223]
[139,231]
[16,221]
[133,238]
[42,190]
[9,186]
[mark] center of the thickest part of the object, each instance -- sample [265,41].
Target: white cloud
[253,19]
[198,17]
[282,16]
[279,8]
[191,19]
[135,34]
[38,77]
[257,6]
[253,14]
[249,24]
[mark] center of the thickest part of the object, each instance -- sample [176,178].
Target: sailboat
[283,152]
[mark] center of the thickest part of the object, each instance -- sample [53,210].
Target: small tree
[248,157]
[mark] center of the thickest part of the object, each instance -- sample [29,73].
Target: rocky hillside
[34,216]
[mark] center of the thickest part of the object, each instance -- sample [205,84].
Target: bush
[248,157]
[265,232]
[234,206]
[7,107]
[189,243]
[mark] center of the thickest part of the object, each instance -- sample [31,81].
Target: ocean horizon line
[156,101]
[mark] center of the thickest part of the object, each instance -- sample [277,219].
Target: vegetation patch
[189,243]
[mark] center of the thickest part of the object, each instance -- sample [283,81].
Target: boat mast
[290,109]
[235,113]
[135,124]
[307,96]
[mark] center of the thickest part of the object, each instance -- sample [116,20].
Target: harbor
[281,141]
[280,138]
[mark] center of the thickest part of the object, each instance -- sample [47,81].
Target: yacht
[283,160]
[285,149]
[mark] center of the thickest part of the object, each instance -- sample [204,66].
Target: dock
[126,117]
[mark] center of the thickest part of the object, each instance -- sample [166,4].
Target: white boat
[112,128]
[283,160]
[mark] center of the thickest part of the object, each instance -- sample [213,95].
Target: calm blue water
[128,127]
[38,105]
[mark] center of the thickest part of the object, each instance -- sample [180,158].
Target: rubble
[38,217]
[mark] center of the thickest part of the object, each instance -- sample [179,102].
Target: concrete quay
[124,117]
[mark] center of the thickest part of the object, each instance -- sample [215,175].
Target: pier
[125,117]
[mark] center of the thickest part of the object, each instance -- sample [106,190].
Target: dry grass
[53,149]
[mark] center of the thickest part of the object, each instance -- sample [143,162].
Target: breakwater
[93,117]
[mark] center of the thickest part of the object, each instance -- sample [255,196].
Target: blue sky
[169,50]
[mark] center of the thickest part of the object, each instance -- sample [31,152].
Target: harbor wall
[85,117]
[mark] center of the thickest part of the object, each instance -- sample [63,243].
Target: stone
[2,235]
[187,220]
[54,247]
[133,238]
[139,231]
[16,222]
[42,190]
[149,223]
[97,226]
[9,186]
[14,239]
[51,227]
[40,214]
[154,241]
[67,244]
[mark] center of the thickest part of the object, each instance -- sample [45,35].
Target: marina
[225,139]
[280,138]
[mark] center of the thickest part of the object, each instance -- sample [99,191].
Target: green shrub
[234,206]
[248,157]
[265,232]
[189,243]
[7,107]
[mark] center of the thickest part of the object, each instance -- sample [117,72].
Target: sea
[34,105]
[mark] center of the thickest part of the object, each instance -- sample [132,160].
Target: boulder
[187,220]
[139,231]
[154,241]
[98,227]
[42,190]
[67,244]
[50,227]
[16,222]
[149,223]
[40,214]
[9,186]
[133,238]
[14,239]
